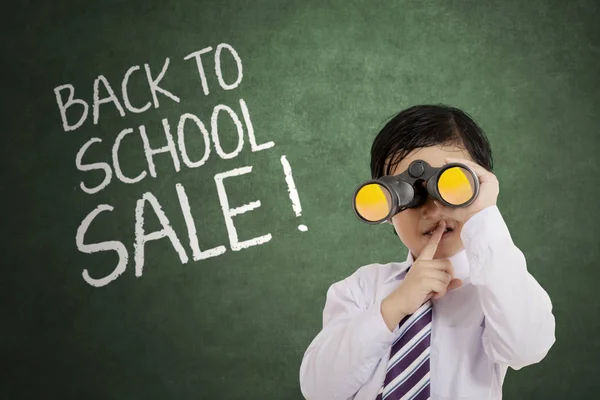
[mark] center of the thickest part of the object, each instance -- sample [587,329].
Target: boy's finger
[454,283]
[430,248]
[441,264]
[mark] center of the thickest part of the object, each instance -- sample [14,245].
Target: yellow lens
[456,185]
[373,202]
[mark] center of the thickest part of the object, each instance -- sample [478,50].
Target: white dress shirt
[499,317]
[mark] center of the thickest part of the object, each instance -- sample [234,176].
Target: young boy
[448,322]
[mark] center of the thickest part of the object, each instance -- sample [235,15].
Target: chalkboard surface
[176,180]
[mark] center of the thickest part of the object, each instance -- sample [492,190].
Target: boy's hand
[488,193]
[426,278]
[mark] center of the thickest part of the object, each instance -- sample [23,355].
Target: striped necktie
[407,376]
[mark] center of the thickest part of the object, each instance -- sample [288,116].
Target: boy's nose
[430,210]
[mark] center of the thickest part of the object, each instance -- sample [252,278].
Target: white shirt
[499,317]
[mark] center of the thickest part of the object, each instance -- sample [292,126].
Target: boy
[448,322]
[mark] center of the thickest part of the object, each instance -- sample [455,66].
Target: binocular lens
[373,202]
[456,186]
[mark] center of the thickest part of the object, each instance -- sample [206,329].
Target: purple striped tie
[407,376]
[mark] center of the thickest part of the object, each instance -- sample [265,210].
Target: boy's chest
[458,362]
[459,308]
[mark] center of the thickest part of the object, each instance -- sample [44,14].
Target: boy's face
[413,223]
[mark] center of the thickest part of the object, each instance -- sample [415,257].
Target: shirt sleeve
[519,325]
[345,353]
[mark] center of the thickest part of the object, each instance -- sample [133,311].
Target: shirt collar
[399,269]
[459,262]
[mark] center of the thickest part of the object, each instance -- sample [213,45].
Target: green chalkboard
[137,264]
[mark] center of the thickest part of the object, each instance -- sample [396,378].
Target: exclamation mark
[289,179]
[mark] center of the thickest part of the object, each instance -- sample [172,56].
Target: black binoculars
[376,201]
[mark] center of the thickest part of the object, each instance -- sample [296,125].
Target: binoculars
[377,201]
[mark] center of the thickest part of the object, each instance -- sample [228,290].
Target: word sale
[142,237]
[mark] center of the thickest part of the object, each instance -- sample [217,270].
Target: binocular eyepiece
[378,200]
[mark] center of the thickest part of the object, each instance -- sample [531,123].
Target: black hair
[425,126]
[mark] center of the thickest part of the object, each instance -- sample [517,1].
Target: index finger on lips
[430,248]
